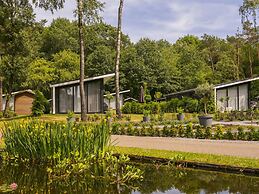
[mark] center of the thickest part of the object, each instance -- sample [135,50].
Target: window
[65,99]
[94,97]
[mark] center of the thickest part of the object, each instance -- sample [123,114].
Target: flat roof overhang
[105,77]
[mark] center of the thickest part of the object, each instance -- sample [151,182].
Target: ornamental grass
[41,141]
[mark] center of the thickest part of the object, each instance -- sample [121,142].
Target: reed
[37,140]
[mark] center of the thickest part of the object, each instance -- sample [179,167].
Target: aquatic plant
[39,141]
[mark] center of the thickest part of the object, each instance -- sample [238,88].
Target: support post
[53,100]
[215,99]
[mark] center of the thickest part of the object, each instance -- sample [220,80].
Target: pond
[156,179]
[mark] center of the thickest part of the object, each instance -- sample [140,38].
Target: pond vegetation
[66,151]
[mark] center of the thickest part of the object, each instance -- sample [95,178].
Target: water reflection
[156,180]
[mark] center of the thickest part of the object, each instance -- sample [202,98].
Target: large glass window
[77,99]
[233,100]
[94,97]
[65,99]
[243,97]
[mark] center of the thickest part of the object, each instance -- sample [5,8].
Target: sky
[165,19]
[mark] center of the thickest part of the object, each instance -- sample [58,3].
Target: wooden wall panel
[23,103]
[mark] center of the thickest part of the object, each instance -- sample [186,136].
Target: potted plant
[71,117]
[204,91]
[180,115]
[146,117]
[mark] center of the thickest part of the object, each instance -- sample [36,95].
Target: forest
[34,55]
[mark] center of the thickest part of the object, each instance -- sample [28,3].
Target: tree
[249,12]
[60,35]
[40,104]
[40,74]
[205,92]
[87,10]
[66,64]
[15,17]
[117,63]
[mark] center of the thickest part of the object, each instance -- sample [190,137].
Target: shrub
[9,113]
[180,130]
[228,135]
[39,105]
[126,109]
[198,133]
[240,133]
[136,108]
[219,133]
[207,133]
[188,131]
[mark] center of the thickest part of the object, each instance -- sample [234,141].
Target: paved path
[219,147]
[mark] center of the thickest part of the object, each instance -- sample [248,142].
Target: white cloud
[167,19]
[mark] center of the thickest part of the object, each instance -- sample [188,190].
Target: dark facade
[66,96]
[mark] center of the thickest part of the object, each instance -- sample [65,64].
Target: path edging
[195,165]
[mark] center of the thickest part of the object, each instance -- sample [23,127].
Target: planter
[71,120]
[205,121]
[180,117]
[146,119]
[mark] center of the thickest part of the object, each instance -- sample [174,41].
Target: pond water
[157,179]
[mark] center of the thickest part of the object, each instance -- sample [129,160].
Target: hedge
[186,131]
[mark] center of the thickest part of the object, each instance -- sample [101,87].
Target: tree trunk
[250,62]
[238,62]
[117,64]
[7,103]
[1,94]
[82,60]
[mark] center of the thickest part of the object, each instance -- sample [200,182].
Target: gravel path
[219,147]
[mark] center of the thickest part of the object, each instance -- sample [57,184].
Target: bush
[126,109]
[9,113]
[219,133]
[229,135]
[207,133]
[188,104]
[40,104]
[240,133]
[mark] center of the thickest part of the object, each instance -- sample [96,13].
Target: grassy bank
[192,157]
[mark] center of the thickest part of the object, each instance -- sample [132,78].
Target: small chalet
[20,102]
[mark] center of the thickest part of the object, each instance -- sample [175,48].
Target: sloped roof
[20,92]
[219,86]
[105,77]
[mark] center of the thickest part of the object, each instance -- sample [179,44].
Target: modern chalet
[228,97]
[66,96]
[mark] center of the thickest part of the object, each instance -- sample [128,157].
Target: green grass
[193,157]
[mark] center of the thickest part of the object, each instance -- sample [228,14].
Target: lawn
[192,157]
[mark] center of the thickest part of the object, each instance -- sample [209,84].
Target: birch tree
[87,12]
[117,62]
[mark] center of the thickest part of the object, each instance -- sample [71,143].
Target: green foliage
[185,131]
[40,141]
[40,104]
[180,110]
[205,92]
[188,104]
